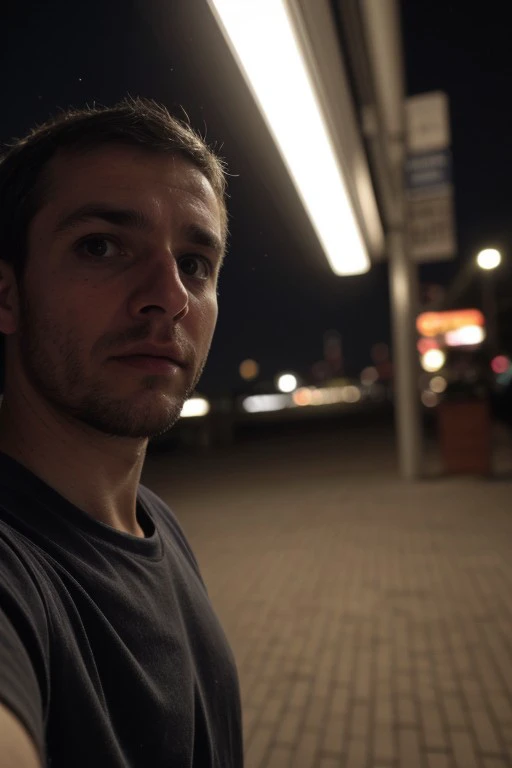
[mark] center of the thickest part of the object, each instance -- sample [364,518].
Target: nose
[161,289]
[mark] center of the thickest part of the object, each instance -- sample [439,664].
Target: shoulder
[21,580]
[17,561]
[24,626]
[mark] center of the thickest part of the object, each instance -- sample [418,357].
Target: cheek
[40,312]
[206,319]
[214,312]
[77,318]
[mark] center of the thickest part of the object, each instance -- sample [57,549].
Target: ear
[9,299]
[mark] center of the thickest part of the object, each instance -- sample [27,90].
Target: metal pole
[489,310]
[382,19]
[404,291]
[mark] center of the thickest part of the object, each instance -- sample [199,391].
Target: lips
[154,357]
[151,363]
[171,353]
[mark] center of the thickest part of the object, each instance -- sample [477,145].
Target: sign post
[428,179]
[381,19]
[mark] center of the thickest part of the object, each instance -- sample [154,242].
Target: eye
[98,247]
[195,266]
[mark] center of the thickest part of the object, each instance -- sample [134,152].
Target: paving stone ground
[371,619]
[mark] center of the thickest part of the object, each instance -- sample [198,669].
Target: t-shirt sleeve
[23,643]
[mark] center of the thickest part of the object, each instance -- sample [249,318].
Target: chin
[152,422]
[136,417]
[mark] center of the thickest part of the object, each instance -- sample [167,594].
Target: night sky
[277,293]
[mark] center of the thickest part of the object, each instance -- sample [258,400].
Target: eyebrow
[124,217]
[135,219]
[201,236]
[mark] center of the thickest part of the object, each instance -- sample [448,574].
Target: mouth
[151,364]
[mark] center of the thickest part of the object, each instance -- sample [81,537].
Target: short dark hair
[133,121]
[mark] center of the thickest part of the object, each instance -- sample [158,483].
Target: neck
[98,473]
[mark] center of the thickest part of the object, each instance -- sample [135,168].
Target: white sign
[431,227]
[428,179]
[427,122]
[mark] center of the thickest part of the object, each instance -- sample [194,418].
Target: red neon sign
[436,323]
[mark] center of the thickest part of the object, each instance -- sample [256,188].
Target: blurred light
[436,323]
[320,396]
[433,360]
[196,406]
[328,396]
[468,336]
[249,369]
[303,396]
[500,364]
[265,403]
[287,382]
[504,379]
[264,42]
[369,376]
[350,394]
[429,399]
[333,395]
[489,258]
[424,345]
[438,384]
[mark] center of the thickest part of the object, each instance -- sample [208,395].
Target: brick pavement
[371,620]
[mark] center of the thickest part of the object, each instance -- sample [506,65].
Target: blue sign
[429,169]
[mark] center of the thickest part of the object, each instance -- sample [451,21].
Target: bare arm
[18,750]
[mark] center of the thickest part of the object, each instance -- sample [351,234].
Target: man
[112,233]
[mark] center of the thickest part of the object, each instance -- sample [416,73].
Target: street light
[433,360]
[488,259]
[196,406]
[249,369]
[287,382]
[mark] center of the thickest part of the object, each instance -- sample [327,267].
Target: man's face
[124,252]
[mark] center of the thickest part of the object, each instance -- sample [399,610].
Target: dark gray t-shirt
[110,652]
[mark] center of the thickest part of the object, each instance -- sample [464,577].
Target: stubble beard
[64,385]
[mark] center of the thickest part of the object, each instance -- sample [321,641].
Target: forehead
[153,182]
